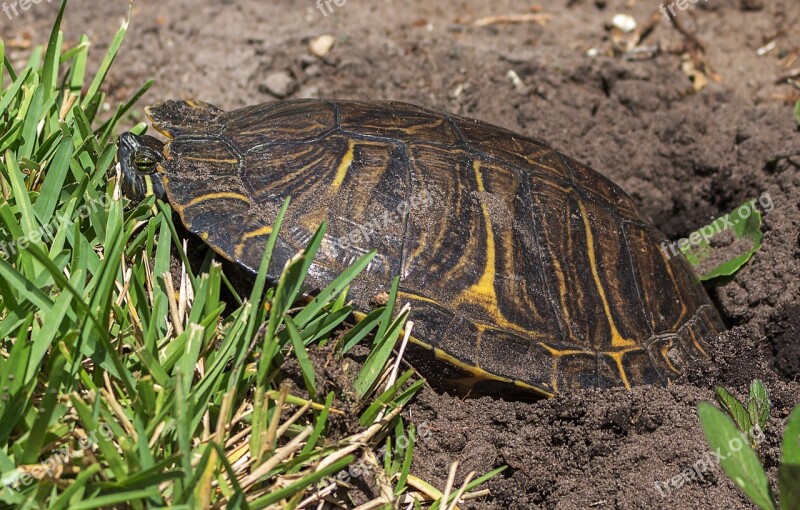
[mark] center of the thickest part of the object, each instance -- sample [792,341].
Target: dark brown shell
[521,264]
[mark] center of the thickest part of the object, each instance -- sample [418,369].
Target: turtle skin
[523,267]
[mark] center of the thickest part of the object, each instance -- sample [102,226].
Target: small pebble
[279,84]
[321,46]
[515,79]
[624,22]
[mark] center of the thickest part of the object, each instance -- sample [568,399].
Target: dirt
[686,157]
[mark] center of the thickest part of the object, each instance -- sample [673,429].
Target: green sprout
[726,244]
[732,433]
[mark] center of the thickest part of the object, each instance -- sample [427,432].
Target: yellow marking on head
[217,196]
[265,230]
[344,166]
[204,236]
[617,340]
[148,181]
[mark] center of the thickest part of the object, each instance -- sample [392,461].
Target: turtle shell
[522,265]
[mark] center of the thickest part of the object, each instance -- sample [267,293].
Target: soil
[685,156]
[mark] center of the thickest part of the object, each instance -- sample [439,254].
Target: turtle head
[139,157]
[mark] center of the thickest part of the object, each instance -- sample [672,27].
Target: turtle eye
[145,164]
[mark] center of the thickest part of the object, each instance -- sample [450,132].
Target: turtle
[524,268]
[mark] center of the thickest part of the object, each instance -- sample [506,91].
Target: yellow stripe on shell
[487,376]
[617,340]
[344,166]
[483,291]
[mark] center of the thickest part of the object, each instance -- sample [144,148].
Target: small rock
[321,46]
[515,79]
[624,22]
[280,84]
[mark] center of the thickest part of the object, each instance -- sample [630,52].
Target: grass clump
[116,390]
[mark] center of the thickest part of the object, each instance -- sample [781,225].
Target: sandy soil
[685,157]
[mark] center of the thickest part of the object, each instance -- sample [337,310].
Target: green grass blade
[377,359]
[336,287]
[472,485]
[306,367]
[27,290]
[51,59]
[369,415]
[13,92]
[54,182]
[408,456]
[361,330]
[261,278]
[184,434]
[47,408]
[112,500]
[27,215]
[111,55]
[386,319]
[319,426]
